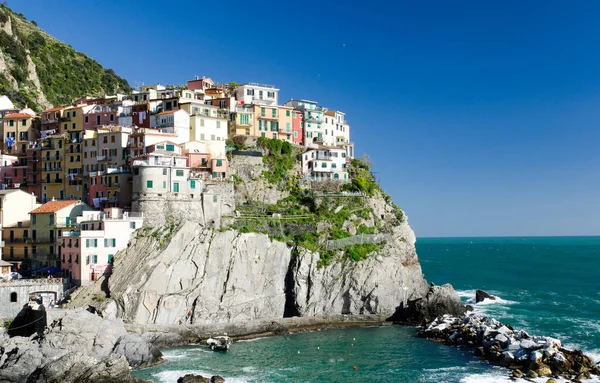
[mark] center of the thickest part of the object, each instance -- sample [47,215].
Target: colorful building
[286,118]
[88,250]
[105,167]
[47,224]
[267,121]
[18,130]
[312,121]
[53,170]
[297,118]
[243,122]
[15,206]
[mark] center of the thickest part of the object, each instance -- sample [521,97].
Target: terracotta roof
[53,206]
[55,109]
[168,111]
[18,115]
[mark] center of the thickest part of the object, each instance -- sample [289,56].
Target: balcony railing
[53,169]
[114,186]
[269,116]
[54,181]
[104,158]
[17,240]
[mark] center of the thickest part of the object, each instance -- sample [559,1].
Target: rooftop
[18,115]
[53,206]
[55,109]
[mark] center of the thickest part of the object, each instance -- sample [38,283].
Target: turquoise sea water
[547,286]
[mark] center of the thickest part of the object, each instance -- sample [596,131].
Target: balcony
[17,240]
[49,121]
[313,120]
[53,169]
[116,185]
[53,158]
[103,158]
[41,241]
[54,181]
[33,159]
[72,233]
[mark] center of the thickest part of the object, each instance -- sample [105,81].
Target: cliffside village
[74,177]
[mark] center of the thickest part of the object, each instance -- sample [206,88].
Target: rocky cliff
[291,249]
[200,276]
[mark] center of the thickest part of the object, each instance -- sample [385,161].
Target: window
[176,187]
[164,171]
[271,95]
[74,113]
[324,164]
[215,198]
[219,162]
[111,257]
[73,125]
[132,225]
[333,166]
[105,140]
[136,171]
[86,119]
[149,184]
[110,242]
[274,112]
[262,112]
[51,219]
[11,122]
[179,173]
[91,243]
[164,184]
[218,124]
[250,92]
[192,184]
[23,122]
[274,135]
[212,137]
[288,127]
[13,297]
[170,148]
[287,113]
[296,134]
[94,259]
[112,118]
[98,120]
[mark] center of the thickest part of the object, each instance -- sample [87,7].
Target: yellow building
[243,124]
[18,130]
[73,154]
[17,245]
[47,224]
[53,170]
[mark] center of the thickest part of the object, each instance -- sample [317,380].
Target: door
[176,187]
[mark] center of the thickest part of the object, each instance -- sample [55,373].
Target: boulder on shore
[480,295]
[499,343]
[438,301]
[191,378]
[77,346]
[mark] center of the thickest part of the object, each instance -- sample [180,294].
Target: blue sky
[481,117]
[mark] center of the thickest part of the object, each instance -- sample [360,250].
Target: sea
[545,285]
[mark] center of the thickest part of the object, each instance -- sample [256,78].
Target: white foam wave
[470,298]
[172,376]
[446,369]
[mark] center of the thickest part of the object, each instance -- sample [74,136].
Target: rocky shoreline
[526,355]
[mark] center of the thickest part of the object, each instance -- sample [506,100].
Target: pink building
[200,83]
[297,128]
[99,115]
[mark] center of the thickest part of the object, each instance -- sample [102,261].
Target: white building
[160,172]
[208,124]
[88,250]
[325,163]
[255,93]
[175,122]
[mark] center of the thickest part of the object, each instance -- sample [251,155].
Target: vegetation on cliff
[63,73]
[315,214]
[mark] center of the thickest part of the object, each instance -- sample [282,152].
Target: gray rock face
[201,277]
[438,301]
[377,285]
[205,277]
[77,347]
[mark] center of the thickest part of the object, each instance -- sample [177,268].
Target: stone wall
[23,290]
[205,208]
